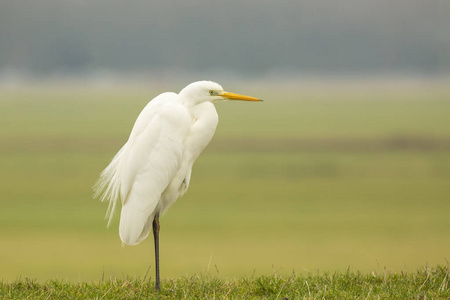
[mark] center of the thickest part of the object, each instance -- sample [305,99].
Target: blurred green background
[314,178]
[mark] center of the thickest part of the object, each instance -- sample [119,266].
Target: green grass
[426,283]
[317,182]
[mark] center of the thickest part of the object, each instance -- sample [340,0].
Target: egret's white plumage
[154,166]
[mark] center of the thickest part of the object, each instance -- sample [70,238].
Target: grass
[426,283]
[320,181]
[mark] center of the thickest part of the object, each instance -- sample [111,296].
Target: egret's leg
[156,238]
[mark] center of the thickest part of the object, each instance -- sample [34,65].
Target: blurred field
[309,180]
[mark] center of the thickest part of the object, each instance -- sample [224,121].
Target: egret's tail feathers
[134,225]
[107,187]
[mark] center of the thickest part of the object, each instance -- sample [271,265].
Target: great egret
[154,166]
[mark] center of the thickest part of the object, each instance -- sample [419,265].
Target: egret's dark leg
[156,238]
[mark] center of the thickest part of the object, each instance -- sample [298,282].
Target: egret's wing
[146,164]
[153,159]
[144,137]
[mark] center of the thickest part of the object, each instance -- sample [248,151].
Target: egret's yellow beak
[233,96]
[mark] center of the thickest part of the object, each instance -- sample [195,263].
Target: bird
[153,168]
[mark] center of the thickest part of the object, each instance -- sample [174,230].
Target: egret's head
[202,91]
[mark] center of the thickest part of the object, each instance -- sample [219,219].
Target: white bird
[154,166]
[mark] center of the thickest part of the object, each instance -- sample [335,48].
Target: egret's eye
[211,92]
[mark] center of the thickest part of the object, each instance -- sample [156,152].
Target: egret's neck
[204,123]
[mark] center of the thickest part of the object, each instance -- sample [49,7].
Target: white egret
[154,166]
